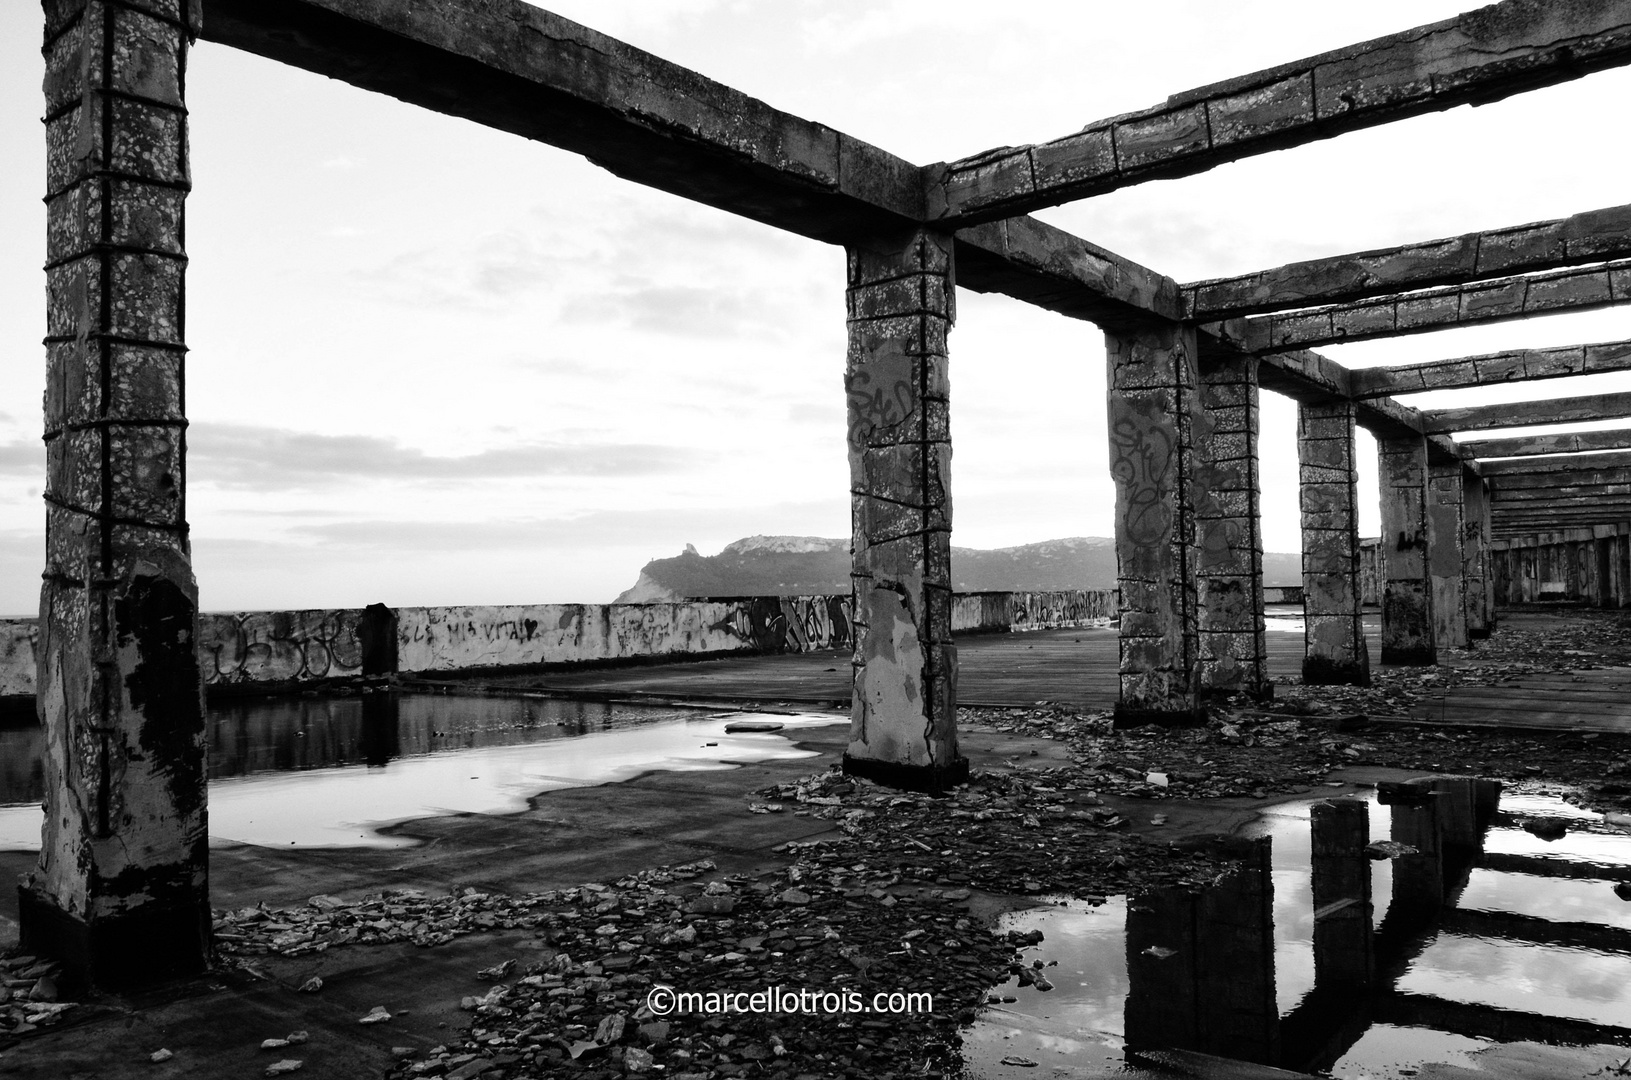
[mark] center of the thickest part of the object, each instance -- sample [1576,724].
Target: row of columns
[121,889]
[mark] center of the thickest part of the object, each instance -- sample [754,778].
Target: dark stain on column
[158,618]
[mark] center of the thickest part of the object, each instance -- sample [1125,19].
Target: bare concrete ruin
[121,889]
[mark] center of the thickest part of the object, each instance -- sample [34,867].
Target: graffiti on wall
[284,647]
[279,646]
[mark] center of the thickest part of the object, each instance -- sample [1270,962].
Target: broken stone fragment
[636,1060]
[160,1055]
[295,1038]
[284,1067]
[274,1044]
[378,1015]
[610,1029]
[312,985]
[497,971]
[795,897]
[1388,849]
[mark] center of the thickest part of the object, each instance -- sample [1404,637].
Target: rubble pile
[28,995]
[835,923]
[383,918]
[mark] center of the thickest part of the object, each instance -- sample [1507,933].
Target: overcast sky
[432,363]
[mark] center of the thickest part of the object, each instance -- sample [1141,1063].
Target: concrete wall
[1587,566]
[291,647]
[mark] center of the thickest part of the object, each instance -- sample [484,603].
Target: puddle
[448,770]
[1317,959]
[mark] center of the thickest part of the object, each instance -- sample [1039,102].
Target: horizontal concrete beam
[1592,237]
[1520,365]
[1582,494]
[1533,537]
[1566,463]
[1529,445]
[518,68]
[1499,300]
[1529,413]
[1553,518]
[1476,57]
[1052,269]
[1554,480]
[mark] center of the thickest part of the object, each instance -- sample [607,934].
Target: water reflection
[1318,957]
[287,734]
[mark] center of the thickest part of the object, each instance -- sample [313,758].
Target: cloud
[689,311]
[601,528]
[266,459]
[23,457]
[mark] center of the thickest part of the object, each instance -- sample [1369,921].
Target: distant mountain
[814,565]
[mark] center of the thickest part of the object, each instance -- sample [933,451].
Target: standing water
[1489,919]
[330,772]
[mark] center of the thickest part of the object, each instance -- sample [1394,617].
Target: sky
[433,363]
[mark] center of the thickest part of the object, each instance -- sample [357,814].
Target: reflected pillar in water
[1343,953]
[380,741]
[1418,878]
[121,890]
[1201,965]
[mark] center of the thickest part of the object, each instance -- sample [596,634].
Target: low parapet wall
[272,648]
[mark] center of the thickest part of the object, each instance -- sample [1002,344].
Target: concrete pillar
[903,721]
[1407,594]
[121,890]
[1333,591]
[1228,533]
[1153,379]
[1344,951]
[1445,559]
[1475,565]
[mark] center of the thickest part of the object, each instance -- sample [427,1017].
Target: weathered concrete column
[1445,556]
[121,891]
[1475,564]
[1153,380]
[903,721]
[1334,631]
[1407,592]
[1228,533]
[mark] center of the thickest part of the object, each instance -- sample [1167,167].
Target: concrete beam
[1562,495]
[1532,445]
[1476,57]
[518,68]
[1052,269]
[1498,300]
[1569,463]
[1559,481]
[1529,413]
[1592,237]
[1521,365]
